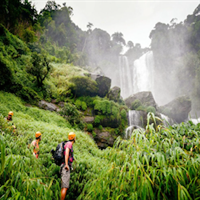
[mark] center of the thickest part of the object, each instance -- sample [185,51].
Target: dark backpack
[58,154]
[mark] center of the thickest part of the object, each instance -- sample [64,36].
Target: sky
[133,18]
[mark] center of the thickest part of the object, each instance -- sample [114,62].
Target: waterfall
[166,120]
[135,118]
[143,73]
[135,121]
[195,121]
[125,77]
[136,78]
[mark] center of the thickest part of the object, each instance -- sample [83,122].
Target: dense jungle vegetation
[45,56]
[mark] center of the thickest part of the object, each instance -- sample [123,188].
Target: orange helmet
[37,134]
[11,113]
[71,136]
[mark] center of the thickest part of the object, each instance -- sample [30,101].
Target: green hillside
[45,56]
[155,164]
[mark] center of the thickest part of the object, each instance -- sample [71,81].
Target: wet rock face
[104,139]
[146,98]
[114,94]
[47,106]
[178,109]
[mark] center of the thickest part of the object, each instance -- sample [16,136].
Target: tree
[40,68]
[130,44]
[118,38]
[89,31]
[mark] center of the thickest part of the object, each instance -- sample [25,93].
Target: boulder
[114,94]
[146,98]
[88,119]
[47,106]
[103,84]
[61,104]
[103,139]
[54,101]
[178,109]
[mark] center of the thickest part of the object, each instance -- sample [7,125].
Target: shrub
[89,127]
[151,109]
[141,108]
[136,104]
[28,94]
[81,105]
[100,127]
[97,119]
[83,86]
[123,114]
[72,114]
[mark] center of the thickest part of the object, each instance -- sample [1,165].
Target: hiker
[9,118]
[35,144]
[66,167]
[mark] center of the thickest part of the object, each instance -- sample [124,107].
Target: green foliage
[29,36]
[100,127]
[136,104]
[71,113]
[155,163]
[123,114]
[110,114]
[21,173]
[151,166]
[88,100]
[83,86]
[106,107]
[89,127]
[40,68]
[81,105]
[150,109]
[97,119]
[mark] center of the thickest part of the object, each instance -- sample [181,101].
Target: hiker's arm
[66,158]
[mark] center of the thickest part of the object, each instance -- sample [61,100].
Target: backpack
[58,154]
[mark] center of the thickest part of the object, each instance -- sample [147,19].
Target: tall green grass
[24,177]
[162,163]
[158,163]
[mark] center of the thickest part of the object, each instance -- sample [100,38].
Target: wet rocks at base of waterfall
[178,109]
[130,130]
[114,94]
[137,118]
[146,98]
[165,119]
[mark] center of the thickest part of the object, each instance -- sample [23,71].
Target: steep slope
[161,163]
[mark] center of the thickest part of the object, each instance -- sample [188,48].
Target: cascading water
[135,121]
[136,78]
[166,120]
[125,77]
[143,73]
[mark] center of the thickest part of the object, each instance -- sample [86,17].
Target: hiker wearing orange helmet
[9,117]
[66,167]
[35,144]
[9,120]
